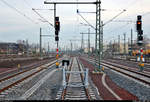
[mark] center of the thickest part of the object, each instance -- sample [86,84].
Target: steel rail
[123,67]
[67,79]
[147,64]
[144,81]
[24,78]
[134,77]
[86,90]
[33,66]
[65,90]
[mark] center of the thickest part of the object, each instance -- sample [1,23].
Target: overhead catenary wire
[145,14]
[114,17]
[120,28]
[37,12]
[42,17]
[129,21]
[77,20]
[85,19]
[28,3]
[44,9]
[105,22]
[24,15]
[131,4]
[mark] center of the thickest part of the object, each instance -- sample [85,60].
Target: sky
[20,22]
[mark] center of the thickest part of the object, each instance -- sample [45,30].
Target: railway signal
[139,23]
[139,30]
[140,41]
[57,24]
[57,57]
[57,50]
[57,28]
[56,38]
[56,33]
[141,58]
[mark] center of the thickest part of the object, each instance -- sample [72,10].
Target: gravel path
[139,90]
[15,93]
[16,78]
[49,89]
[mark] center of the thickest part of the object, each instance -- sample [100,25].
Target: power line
[42,17]
[28,4]
[10,6]
[85,20]
[145,14]
[38,13]
[119,27]
[114,17]
[132,3]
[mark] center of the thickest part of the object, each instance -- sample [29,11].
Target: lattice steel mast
[99,36]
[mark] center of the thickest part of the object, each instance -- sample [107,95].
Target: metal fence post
[64,78]
[86,78]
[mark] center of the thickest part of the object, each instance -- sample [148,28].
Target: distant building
[87,49]
[148,46]
[11,48]
[122,50]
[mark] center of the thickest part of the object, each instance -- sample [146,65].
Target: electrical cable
[37,12]
[85,20]
[119,27]
[134,2]
[114,17]
[42,17]
[10,6]
[77,20]
[145,14]
[28,4]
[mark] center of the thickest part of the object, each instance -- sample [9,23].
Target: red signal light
[57,50]
[138,22]
[57,56]
[57,23]
[141,56]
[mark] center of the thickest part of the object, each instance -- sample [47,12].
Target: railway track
[131,69]
[24,68]
[146,65]
[136,75]
[73,92]
[10,73]
[8,83]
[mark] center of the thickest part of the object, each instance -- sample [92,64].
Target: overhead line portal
[45,2]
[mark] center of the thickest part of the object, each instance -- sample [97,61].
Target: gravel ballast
[21,88]
[139,90]
[136,88]
[48,90]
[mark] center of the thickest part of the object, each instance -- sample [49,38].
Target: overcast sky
[25,24]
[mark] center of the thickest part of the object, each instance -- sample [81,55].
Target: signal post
[57,29]
[140,41]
